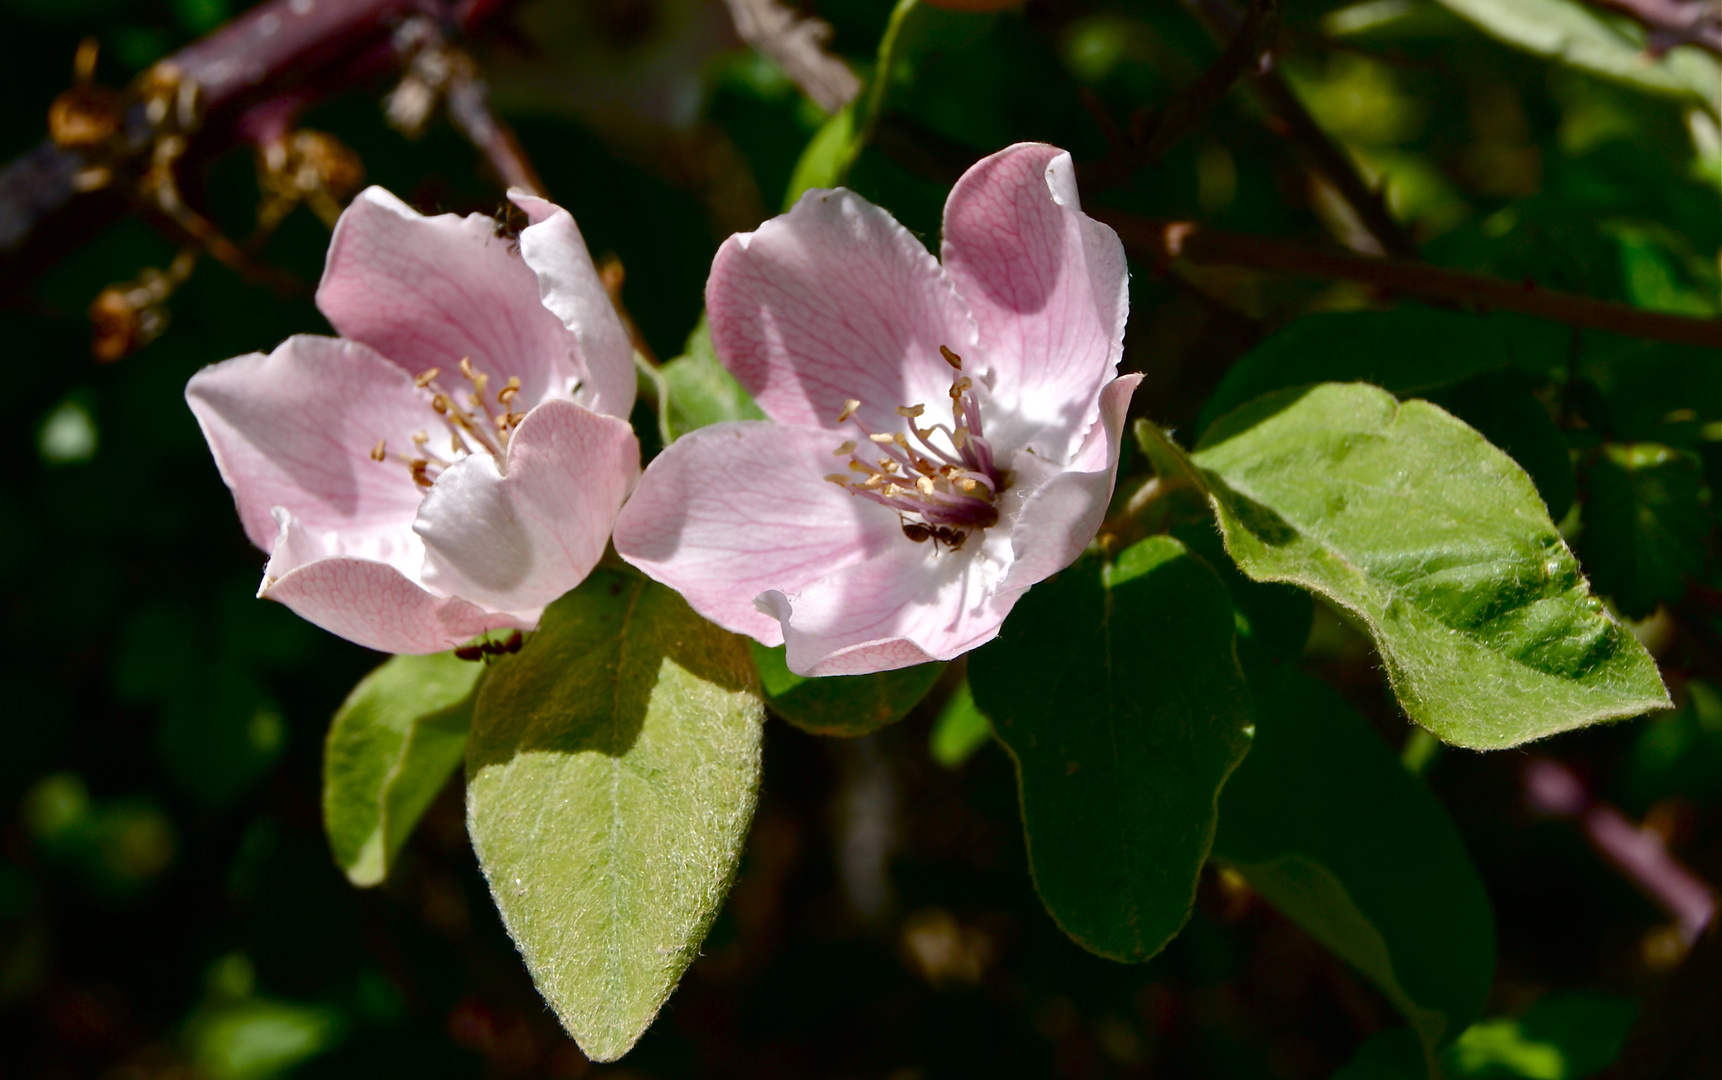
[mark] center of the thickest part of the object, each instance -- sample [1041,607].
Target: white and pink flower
[455,459]
[942,435]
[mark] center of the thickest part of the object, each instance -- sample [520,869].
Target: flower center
[941,480]
[472,427]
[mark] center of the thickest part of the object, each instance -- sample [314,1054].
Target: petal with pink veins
[907,606]
[428,291]
[295,429]
[378,607]
[1057,521]
[568,285]
[835,301]
[518,540]
[1048,287]
[735,509]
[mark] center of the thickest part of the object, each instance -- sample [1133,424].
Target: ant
[510,219]
[939,534]
[482,649]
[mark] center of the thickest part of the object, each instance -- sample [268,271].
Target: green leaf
[1394,1054]
[841,704]
[701,390]
[1118,694]
[1646,524]
[611,777]
[826,161]
[1561,1037]
[1437,543]
[960,730]
[1324,821]
[1505,412]
[394,743]
[1409,350]
[1601,42]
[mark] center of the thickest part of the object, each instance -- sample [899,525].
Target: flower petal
[427,291]
[295,429]
[835,300]
[735,509]
[1047,284]
[519,540]
[569,286]
[907,606]
[1058,519]
[378,607]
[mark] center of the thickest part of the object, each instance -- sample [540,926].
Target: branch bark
[1162,242]
[797,45]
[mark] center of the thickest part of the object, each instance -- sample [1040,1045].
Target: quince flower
[941,436]
[455,459]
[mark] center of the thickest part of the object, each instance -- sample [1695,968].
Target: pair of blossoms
[942,435]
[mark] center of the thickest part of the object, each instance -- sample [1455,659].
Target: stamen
[418,467]
[379,451]
[926,485]
[440,404]
[860,466]
[951,358]
[882,438]
[849,408]
[873,481]
[427,377]
[509,392]
[848,447]
[911,411]
[886,465]
[839,479]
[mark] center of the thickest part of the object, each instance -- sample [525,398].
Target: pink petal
[834,300]
[295,429]
[907,606]
[1047,283]
[735,509]
[427,291]
[379,607]
[569,286]
[518,541]
[1059,519]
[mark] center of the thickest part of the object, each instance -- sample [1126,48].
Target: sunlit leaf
[1117,691]
[842,704]
[1598,41]
[393,744]
[701,389]
[1324,821]
[611,777]
[1437,543]
[960,730]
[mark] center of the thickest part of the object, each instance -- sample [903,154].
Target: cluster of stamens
[942,489]
[477,424]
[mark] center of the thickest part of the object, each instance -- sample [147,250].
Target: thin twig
[1161,242]
[797,45]
[1185,113]
[1223,20]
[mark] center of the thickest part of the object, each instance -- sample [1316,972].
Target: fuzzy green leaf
[394,743]
[1118,694]
[701,390]
[612,774]
[1436,542]
[1325,822]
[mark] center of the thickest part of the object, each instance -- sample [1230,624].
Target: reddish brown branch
[1162,242]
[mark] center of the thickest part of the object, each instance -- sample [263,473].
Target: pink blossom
[455,459]
[942,436]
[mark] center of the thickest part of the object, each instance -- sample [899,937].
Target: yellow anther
[951,358]
[848,447]
[509,392]
[860,466]
[838,478]
[901,440]
[466,367]
[882,438]
[894,490]
[440,404]
[961,387]
[418,467]
[967,485]
[887,465]
[849,408]
[960,436]
[419,438]
[911,411]
[925,483]
[379,451]
[873,481]
[427,377]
